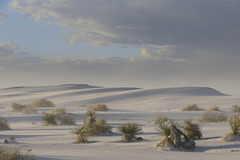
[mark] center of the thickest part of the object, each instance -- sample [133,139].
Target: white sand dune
[126,104]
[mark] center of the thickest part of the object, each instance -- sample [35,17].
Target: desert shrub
[236,108]
[82,134]
[160,119]
[191,107]
[91,127]
[28,110]
[164,128]
[80,105]
[214,108]
[4,124]
[64,119]
[234,121]
[49,118]
[129,131]
[210,116]
[191,129]
[59,111]
[18,107]
[41,103]
[12,138]
[15,154]
[98,107]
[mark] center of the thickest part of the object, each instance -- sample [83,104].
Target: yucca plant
[82,134]
[191,129]
[91,116]
[129,130]
[235,123]
[160,119]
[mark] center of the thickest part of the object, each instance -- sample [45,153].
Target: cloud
[8,48]
[210,26]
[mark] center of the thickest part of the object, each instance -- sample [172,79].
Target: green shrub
[191,107]
[4,124]
[236,108]
[234,121]
[129,131]
[160,119]
[18,107]
[98,107]
[41,103]
[15,154]
[49,119]
[214,108]
[191,129]
[210,116]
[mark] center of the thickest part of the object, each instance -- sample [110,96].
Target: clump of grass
[18,107]
[91,127]
[129,131]
[160,119]
[15,154]
[192,107]
[80,105]
[41,103]
[234,122]
[4,124]
[58,116]
[191,129]
[12,138]
[82,134]
[214,108]
[210,116]
[98,107]
[235,108]
[49,119]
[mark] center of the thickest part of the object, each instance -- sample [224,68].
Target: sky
[138,43]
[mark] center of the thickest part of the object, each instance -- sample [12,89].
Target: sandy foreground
[126,105]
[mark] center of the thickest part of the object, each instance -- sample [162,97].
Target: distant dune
[86,94]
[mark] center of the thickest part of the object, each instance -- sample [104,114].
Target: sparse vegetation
[28,110]
[12,138]
[192,107]
[129,131]
[15,154]
[49,119]
[211,116]
[160,119]
[236,108]
[91,127]
[4,124]
[234,122]
[41,103]
[80,105]
[98,107]
[191,129]
[164,128]
[18,107]
[214,108]
[58,116]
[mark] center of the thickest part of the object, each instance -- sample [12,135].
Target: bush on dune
[58,116]
[41,103]
[18,107]
[4,124]
[210,116]
[214,108]
[129,131]
[91,127]
[98,107]
[236,108]
[191,129]
[192,107]
[15,154]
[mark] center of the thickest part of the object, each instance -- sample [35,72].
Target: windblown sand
[126,105]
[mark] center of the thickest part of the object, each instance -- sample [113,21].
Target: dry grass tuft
[214,108]
[236,108]
[210,116]
[191,129]
[129,131]
[98,107]
[192,107]
[41,103]
[4,124]
[160,119]
[15,154]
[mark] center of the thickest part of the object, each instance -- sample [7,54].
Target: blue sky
[142,43]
